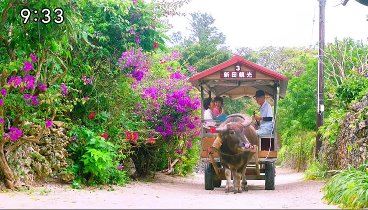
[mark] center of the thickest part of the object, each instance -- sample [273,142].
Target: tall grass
[315,171]
[297,149]
[349,188]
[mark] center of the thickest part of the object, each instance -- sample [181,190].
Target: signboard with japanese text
[238,74]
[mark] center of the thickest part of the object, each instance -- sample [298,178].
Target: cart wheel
[270,176]
[209,177]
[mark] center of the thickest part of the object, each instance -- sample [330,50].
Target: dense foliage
[296,117]
[349,188]
[74,72]
[205,47]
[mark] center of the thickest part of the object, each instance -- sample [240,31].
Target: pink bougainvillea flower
[87,98]
[120,167]
[135,2]
[64,89]
[131,31]
[27,66]
[104,135]
[34,101]
[87,81]
[3,92]
[189,145]
[179,152]
[92,115]
[137,38]
[137,74]
[48,123]
[27,96]
[2,121]
[33,57]
[29,81]
[176,75]
[155,45]
[15,81]
[14,134]
[42,86]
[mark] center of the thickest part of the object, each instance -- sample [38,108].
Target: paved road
[175,193]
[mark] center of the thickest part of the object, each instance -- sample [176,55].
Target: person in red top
[218,109]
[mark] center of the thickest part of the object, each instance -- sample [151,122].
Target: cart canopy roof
[238,77]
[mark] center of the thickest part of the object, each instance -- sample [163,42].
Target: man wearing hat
[265,117]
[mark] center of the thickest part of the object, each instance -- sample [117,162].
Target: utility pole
[320,85]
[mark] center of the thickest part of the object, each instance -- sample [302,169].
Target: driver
[265,117]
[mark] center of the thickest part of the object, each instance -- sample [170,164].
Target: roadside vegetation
[102,98]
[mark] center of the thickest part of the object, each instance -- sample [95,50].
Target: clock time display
[44,16]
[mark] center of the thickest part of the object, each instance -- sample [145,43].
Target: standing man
[265,118]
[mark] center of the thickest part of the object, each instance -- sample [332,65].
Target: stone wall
[42,161]
[353,138]
[351,146]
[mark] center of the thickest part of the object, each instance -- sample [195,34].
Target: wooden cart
[236,78]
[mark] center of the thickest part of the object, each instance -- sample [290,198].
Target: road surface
[174,193]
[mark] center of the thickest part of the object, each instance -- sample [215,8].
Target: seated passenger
[208,117]
[218,109]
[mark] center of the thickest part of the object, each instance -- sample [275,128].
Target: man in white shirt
[265,117]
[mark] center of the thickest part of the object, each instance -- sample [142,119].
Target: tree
[205,47]
[203,31]
[35,58]
[343,57]
[299,103]
[282,59]
[247,53]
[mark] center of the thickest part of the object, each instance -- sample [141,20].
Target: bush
[348,189]
[168,107]
[331,128]
[189,160]
[353,88]
[315,171]
[297,149]
[94,160]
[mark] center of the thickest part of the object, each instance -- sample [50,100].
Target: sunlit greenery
[349,188]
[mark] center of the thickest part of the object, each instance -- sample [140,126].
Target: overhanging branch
[63,66]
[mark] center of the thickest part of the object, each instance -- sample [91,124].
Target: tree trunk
[9,180]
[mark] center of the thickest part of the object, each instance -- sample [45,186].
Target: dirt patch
[174,193]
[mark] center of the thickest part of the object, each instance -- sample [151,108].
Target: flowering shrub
[29,97]
[135,63]
[72,78]
[169,105]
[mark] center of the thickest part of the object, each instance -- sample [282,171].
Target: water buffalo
[236,134]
